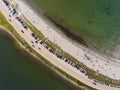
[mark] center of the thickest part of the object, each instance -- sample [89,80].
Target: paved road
[46,54]
[97,62]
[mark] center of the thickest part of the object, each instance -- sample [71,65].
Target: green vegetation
[15,6]
[97,22]
[73,79]
[90,72]
[33,29]
[4,23]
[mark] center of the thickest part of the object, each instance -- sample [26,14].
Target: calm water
[20,72]
[96,21]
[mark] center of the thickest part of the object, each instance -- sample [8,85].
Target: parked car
[22,31]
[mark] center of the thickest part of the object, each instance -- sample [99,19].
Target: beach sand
[49,33]
[67,46]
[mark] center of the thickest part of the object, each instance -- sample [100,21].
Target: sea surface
[96,21]
[19,71]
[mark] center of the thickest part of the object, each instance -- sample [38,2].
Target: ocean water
[96,21]
[19,71]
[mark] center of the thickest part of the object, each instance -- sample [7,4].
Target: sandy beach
[90,59]
[106,69]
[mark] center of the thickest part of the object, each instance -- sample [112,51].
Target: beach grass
[4,22]
[90,72]
[97,76]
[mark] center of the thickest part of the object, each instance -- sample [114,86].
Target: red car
[22,31]
[16,17]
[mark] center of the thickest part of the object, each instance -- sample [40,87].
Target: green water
[19,71]
[96,21]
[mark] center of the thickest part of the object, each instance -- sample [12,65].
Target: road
[46,54]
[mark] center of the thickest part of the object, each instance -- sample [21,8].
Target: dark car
[36,41]
[32,42]
[26,27]
[10,20]
[9,15]
[6,2]
[33,46]
[33,35]
[94,83]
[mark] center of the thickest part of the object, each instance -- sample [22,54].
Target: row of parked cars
[58,55]
[22,23]
[96,81]
[39,41]
[12,10]
[6,2]
[15,13]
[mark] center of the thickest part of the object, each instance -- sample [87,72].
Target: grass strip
[91,73]
[5,23]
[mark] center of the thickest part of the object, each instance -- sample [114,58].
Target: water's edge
[39,61]
[79,41]
[72,36]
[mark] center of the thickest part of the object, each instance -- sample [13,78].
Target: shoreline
[70,35]
[39,60]
[63,63]
[64,31]
[85,47]
[48,63]
[77,40]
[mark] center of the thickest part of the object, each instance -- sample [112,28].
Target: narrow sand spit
[88,59]
[95,62]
